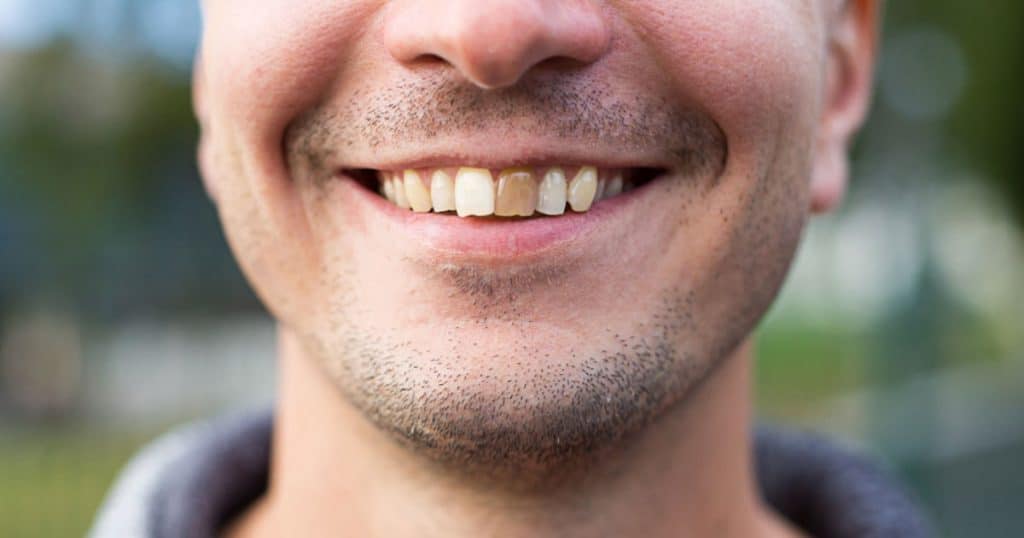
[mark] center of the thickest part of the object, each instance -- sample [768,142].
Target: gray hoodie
[192,481]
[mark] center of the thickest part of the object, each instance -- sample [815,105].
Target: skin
[600,387]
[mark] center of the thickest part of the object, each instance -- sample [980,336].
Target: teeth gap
[643,175]
[366,177]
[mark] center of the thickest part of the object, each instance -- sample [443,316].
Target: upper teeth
[517,192]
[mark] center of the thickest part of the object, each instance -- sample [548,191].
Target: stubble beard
[538,421]
[550,416]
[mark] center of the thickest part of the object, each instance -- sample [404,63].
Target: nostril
[430,59]
[564,64]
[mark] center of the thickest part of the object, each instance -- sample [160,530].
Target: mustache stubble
[575,107]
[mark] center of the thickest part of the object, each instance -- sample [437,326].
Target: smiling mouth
[515,192]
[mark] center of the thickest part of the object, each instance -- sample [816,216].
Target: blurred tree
[94,150]
[988,121]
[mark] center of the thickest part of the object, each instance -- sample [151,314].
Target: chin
[515,401]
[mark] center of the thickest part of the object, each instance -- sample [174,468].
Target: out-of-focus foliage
[987,123]
[102,208]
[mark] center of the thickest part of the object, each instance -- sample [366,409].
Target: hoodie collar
[195,480]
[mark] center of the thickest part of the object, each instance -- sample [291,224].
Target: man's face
[510,339]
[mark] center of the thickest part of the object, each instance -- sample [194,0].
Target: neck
[332,473]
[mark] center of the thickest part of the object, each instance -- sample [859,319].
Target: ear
[199,109]
[852,48]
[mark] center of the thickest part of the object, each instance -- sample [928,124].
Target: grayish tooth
[614,187]
[552,192]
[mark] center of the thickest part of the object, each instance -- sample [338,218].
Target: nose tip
[493,43]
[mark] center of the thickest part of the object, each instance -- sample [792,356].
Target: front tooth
[583,188]
[614,186]
[442,191]
[551,199]
[416,193]
[474,192]
[400,198]
[517,193]
[388,190]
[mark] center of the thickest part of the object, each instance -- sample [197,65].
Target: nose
[493,43]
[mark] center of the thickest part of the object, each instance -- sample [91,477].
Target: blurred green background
[122,312]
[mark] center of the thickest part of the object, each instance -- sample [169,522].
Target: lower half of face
[505,281]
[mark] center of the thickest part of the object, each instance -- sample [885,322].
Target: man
[516,250]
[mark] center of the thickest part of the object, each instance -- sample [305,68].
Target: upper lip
[498,156]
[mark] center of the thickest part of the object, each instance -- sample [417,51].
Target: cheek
[262,67]
[754,66]
[265,66]
[246,228]
[280,270]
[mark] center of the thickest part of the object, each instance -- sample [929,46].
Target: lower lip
[491,238]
